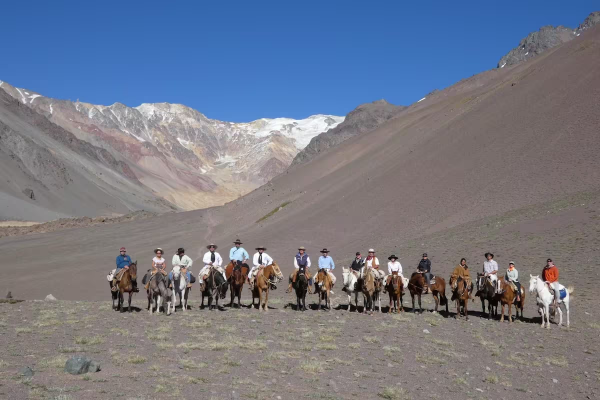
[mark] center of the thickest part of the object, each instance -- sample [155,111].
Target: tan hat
[158,249]
[301,248]
[371,250]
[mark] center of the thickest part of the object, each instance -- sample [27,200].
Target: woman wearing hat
[211,259]
[393,266]
[490,269]
[301,260]
[512,275]
[260,260]
[159,264]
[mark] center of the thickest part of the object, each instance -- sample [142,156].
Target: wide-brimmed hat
[371,250]
[237,241]
[156,250]
[261,248]
[212,245]
[392,256]
[425,255]
[122,249]
[180,250]
[325,250]
[301,248]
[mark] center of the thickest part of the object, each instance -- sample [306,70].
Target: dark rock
[78,365]
[9,295]
[27,372]
[94,367]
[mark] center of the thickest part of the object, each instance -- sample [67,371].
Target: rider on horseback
[512,275]
[211,259]
[238,255]
[425,269]
[357,264]
[158,265]
[394,268]
[550,276]
[490,269]
[260,260]
[326,263]
[185,263]
[462,271]
[301,260]
[123,263]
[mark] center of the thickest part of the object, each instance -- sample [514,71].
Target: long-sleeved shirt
[207,259]
[550,274]
[326,262]
[490,266]
[372,263]
[266,259]
[424,265]
[183,262]
[238,254]
[123,261]
[461,271]
[307,262]
[512,275]
[394,267]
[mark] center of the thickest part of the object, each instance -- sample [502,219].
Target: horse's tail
[570,290]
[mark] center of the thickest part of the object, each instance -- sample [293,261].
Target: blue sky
[240,61]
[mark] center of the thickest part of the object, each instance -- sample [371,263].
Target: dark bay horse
[395,289]
[437,287]
[236,279]
[301,288]
[460,293]
[486,291]
[125,285]
[213,289]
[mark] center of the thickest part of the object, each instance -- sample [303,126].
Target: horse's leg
[547,312]
[437,302]
[559,315]
[420,307]
[232,294]
[413,302]
[566,303]
[510,312]
[129,304]
[502,317]
[379,301]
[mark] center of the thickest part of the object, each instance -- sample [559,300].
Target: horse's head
[453,282]
[176,272]
[346,275]
[133,270]
[533,282]
[277,271]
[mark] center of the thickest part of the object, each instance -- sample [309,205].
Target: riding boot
[114,286]
[202,286]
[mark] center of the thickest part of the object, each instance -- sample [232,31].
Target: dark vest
[357,264]
[302,260]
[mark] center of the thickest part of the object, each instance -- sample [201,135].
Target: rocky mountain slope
[362,119]
[546,38]
[175,152]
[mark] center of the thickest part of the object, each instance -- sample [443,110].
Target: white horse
[545,298]
[350,280]
[179,287]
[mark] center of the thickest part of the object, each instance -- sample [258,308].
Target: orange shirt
[550,274]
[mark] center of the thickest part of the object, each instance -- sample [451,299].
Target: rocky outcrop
[362,119]
[546,38]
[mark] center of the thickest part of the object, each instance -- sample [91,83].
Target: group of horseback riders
[239,257]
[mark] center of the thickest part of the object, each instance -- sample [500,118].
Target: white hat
[371,250]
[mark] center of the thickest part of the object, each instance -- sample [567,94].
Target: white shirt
[183,262]
[369,263]
[266,259]
[490,266]
[394,267]
[159,262]
[218,259]
[307,263]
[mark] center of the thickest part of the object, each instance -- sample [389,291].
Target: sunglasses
[123,251]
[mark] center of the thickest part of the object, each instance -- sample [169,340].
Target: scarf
[212,256]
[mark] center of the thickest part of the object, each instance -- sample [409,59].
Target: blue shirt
[238,254]
[123,261]
[326,262]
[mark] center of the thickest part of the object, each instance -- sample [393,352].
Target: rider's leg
[427,280]
[291,281]
[556,287]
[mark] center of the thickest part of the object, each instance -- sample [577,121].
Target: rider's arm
[231,253]
[246,256]
[296,263]
[307,262]
[255,260]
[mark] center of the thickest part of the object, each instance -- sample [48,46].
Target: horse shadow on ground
[131,309]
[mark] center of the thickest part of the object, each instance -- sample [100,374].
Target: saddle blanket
[563,293]
[111,275]
[432,280]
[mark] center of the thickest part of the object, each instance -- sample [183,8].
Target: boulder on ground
[78,365]
[27,372]
[50,298]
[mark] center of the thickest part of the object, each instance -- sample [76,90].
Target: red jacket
[550,274]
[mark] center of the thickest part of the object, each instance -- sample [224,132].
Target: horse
[368,290]
[301,288]
[396,290]
[437,286]
[180,286]
[158,291]
[545,298]
[487,291]
[124,286]
[460,293]
[352,285]
[324,284]
[213,288]
[236,276]
[508,296]
[271,274]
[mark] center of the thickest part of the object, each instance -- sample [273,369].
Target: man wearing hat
[211,259]
[185,263]
[425,268]
[393,266]
[123,263]
[357,264]
[373,262]
[301,260]
[326,263]
[260,260]
[490,269]
[238,254]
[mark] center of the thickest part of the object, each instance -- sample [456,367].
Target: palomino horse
[324,284]
[236,279]
[369,290]
[125,285]
[180,287]
[301,288]
[158,292]
[508,296]
[395,289]
[213,288]
[460,293]
[545,298]
[487,291]
[271,274]
[437,287]
[352,285]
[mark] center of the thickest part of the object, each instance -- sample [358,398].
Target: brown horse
[508,296]
[323,283]
[460,293]
[437,287]
[264,279]
[236,276]
[125,285]
[368,289]
[395,289]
